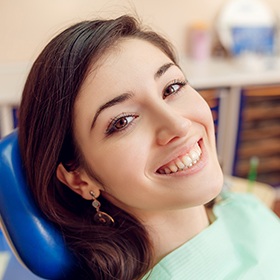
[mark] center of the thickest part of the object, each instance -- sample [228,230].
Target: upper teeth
[182,162]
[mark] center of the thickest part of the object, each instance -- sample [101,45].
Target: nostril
[165,137]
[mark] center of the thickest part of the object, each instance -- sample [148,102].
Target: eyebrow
[125,96]
[163,69]
[118,99]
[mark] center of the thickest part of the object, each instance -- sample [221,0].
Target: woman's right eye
[120,123]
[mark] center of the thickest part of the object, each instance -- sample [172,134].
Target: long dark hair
[46,139]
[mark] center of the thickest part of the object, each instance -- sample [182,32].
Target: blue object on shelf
[254,39]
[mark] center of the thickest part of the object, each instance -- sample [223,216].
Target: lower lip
[195,168]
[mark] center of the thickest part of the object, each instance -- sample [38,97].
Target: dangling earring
[100,217]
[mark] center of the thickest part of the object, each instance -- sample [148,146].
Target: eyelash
[112,124]
[180,83]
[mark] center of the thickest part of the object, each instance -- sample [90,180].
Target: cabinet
[259,133]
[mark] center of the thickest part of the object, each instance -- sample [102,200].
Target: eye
[173,88]
[120,123]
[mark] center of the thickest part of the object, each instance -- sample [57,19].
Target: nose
[171,126]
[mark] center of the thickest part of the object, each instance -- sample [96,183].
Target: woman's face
[145,132]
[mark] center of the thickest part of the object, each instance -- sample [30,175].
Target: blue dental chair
[33,239]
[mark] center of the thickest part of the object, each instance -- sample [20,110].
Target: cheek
[196,108]
[122,171]
[207,117]
[121,160]
[200,112]
[203,110]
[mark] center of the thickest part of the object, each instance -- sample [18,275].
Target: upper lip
[179,151]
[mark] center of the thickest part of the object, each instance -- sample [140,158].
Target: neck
[171,229]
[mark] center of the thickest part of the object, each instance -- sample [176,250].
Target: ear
[78,181]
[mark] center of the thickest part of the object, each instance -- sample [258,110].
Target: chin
[215,187]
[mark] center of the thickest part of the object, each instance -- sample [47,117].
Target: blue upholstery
[37,243]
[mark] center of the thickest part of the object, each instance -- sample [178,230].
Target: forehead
[126,55]
[128,61]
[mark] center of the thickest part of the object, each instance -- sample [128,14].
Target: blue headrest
[34,239]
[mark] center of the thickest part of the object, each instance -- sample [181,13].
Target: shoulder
[245,211]
[241,200]
[254,231]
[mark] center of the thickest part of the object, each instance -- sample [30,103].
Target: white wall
[27,25]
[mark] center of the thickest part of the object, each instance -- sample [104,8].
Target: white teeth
[184,162]
[173,168]
[194,156]
[167,170]
[187,161]
[180,164]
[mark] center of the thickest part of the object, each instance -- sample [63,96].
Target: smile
[183,162]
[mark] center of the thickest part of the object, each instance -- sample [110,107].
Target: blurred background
[228,49]
[27,25]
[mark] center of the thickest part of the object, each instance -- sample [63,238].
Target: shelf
[270,130]
[257,147]
[259,133]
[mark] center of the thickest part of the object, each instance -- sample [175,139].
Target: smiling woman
[120,154]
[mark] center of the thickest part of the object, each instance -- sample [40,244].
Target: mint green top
[243,243]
